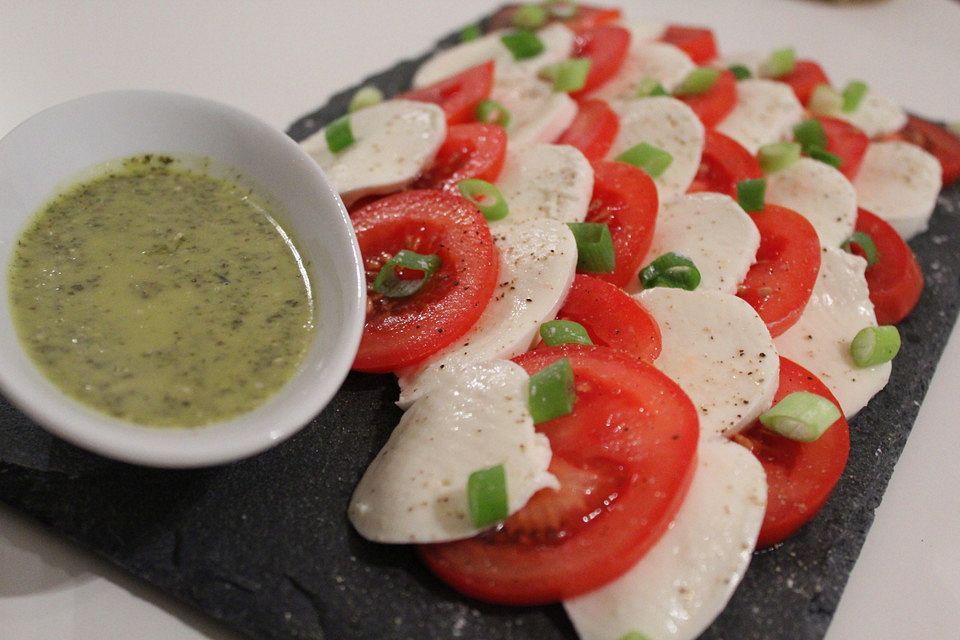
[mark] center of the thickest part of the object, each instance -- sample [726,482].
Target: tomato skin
[723,164]
[401,332]
[937,141]
[587,17]
[715,104]
[800,475]
[625,198]
[472,150]
[635,432]
[895,281]
[847,142]
[593,130]
[696,42]
[612,318]
[804,78]
[606,47]
[459,95]
[779,284]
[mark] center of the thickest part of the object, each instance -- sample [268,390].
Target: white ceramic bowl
[56,146]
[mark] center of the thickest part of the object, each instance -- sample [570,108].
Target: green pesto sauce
[161,296]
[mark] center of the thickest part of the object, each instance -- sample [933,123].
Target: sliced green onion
[523,44]
[779,63]
[825,100]
[492,112]
[954,127]
[563,332]
[650,87]
[365,97]
[866,245]
[778,156]
[487,496]
[339,135]
[652,160]
[875,345]
[472,32]
[389,284]
[810,133]
[698,81]
[740,72]
[853,95]
[529,16]
[825,156]
[594,247]
[486,197]
[569,75]
[635,635]
[801,416]
[671,270]
[552,394]
[562,9]
[751,194]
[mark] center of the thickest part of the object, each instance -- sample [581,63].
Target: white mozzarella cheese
[713,231]
[394,142]
[546,181]
[719,351]
[820,340]
[644,30]
[415,490]
[766,112]
[875,116]
[899,182]
[663,62]
[819,193]
[666,123]
[537,112]
[538,259]
[686,579]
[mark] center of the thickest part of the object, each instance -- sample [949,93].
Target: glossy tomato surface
[696,42]
[624,459]
[459,95]
[804,78]
[472,150]
[723,164]
[717,102]
[593,130]
[606,47]
[847,142]
[938,141]
[895,280]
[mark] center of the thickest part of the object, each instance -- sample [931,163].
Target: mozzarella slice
[820,340]
[766,112]
[537,112]
[394,143]
[663,62]
[666,123]
[875,116]
[686,579]
[546,181]
[644,30]
[899,182]
[713,231]
[719,351]
[415,490]
[819,193]
[538,259]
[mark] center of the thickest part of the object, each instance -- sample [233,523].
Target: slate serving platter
[264,544]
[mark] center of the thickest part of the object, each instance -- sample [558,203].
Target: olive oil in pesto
[161,296]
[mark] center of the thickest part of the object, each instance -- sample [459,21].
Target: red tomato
[713,106]
[472,150]
[593,130]
[895,280]
[459,95]
[800,475]
[936,140]
[624,459]
[723,164]
[400,332]
[625,198]
[779,284]
[606,47]
[586,17]
[696,42]
[847,142]
[804,78]
[612,318]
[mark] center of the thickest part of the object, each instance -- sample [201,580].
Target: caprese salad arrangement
[631,292]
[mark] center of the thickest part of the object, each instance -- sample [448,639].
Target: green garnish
[649,88]
[751,194]
[810,134]
[492,112]
[569,75]
[853,95]
[825,156]
[486,197]
[487,496]
[697,82]
[671,270]
[875,345]
[529,16]
[865,243]
[552,393]
[472,32]
[779,63]
[339,135]
[778,156]
[652,160]
[563,332]
[740,72]
[365,97]
[825,100]
[523,44]
[801,416]
[389,284]
[594,247]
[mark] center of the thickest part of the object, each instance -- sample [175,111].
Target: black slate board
[264,544]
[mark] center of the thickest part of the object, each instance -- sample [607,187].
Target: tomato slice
[625,198]
[800,475]
[459,95]
[895,280]
[400,332]
[586,17]
[713,106]
[606,47]
[472,150]
[847,142]
[937,141]
[804,78]
[696,42]
[593,130]
[624,458]
[612,318]
[779,284]
[723,164]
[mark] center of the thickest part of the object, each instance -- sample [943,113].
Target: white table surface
[279,60]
